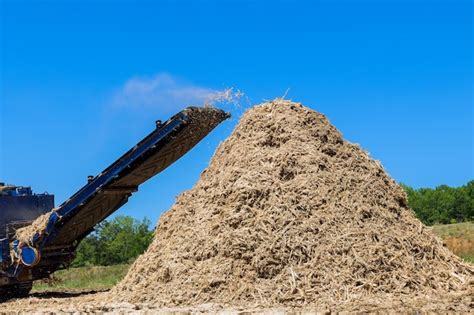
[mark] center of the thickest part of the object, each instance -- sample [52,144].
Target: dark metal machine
[19,206]
[53,246]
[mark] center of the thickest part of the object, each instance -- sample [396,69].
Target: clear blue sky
[81,82]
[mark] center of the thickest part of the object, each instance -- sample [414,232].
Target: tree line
[443,204]
[121,239]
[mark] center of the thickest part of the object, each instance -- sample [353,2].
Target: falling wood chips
[26,234]
[290,214]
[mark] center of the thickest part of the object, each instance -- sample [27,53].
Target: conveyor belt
[111,189]
[53,248]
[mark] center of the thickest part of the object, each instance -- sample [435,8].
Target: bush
[442,205]
[118,241]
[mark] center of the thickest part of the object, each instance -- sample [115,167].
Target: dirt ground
[90,302]
[80,302]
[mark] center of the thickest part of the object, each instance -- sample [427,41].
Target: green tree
[115,242]
[443,204]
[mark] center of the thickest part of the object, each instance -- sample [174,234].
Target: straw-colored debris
[67,303]
[6,187]
[26,233]
[290,214]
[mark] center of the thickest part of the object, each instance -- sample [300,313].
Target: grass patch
[458,230]
[459,238]
[84,278]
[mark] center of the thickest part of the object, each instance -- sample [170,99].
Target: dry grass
[83,278]
[459,238]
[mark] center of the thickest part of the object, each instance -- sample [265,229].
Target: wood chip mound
[290,214]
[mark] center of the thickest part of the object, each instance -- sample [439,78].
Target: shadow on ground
[63,294]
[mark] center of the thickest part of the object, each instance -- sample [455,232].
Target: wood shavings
[290,214]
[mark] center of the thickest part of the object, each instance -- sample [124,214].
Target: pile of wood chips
[290,214]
